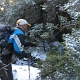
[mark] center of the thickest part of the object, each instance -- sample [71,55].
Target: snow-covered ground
[23,72]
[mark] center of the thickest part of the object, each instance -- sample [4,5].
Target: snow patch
[22,72]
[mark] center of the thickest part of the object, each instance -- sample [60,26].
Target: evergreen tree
[63,61]
[60,65]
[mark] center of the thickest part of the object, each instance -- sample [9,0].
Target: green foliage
[21,9]
[17,11]
[42,32]
[30,10]
[59,66]
[78,23]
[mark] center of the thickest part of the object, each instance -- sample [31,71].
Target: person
[16,44]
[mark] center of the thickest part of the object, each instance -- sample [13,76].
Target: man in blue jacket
[16,43]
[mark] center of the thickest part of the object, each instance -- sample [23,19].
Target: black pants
[6,60]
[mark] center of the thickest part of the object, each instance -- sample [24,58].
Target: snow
[22,72]
[70,3]
[73,8]
[40,55]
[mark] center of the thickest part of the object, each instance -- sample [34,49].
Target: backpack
[5,32]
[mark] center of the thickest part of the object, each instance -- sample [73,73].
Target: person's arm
[18,45]
[31,44]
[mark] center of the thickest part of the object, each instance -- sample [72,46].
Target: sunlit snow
[22,72]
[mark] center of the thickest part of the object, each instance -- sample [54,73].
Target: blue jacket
[17,39]
[17,43]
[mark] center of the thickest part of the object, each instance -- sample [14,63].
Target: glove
[27,55]
[33,44]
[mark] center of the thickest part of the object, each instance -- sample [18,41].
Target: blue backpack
[5,32]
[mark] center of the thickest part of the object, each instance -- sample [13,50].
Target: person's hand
[27,55]
[33,44]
